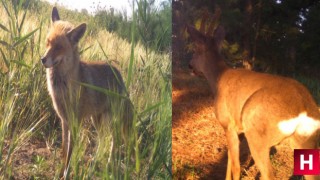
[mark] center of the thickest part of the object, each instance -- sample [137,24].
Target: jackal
[65,72]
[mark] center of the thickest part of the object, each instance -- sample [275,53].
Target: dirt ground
[35,160]
[199,149]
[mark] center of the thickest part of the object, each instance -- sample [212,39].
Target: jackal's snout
[48,62]
[43,60]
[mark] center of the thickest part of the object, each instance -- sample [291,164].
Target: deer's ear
[55,14]
[218,36]
[195,35]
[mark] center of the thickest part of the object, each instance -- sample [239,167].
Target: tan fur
[266,108]
[64,71]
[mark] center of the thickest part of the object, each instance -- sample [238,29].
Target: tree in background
[276,36]
[153,27]
[153,23]
[308,54]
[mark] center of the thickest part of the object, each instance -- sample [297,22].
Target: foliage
[280,34]
[154,22]
[271,36]
[308,54]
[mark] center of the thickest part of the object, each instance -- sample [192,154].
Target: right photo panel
[246,89]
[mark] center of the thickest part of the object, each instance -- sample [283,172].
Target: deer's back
[241,92]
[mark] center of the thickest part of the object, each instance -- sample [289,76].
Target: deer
[266,108]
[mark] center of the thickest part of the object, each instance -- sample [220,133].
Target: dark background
[273,36]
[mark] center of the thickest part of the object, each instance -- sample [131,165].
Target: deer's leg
[233,154]
[229,172]
[306,142]
[260,152]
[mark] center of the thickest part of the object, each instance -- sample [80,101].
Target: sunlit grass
[26,109]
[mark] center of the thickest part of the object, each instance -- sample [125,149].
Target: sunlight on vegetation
[27,118]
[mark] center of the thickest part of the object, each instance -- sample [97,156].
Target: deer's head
[207,45]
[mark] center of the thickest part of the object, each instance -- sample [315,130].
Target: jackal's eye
[47,43]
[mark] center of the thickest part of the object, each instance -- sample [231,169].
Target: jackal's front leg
[66,148]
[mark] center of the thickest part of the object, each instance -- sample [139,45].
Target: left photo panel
[85,89]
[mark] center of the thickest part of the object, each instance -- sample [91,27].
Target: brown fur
[65,70]
[255,104]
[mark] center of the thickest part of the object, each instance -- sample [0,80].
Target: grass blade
[104,53]
[23,19]
[21,63]
[133,28]
[103,90]
[151,108]
[6,8]
[85,49]
[4,27]
[6,62]
[5,44]
[22,39]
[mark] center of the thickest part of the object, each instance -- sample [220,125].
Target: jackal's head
[61,42]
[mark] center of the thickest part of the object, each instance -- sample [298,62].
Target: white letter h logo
[303,162]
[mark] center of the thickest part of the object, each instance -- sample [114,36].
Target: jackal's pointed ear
[76,34]
[55,14]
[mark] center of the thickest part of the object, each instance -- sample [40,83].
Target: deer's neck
[215,66]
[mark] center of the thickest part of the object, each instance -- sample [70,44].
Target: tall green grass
[18,120]
[26,110]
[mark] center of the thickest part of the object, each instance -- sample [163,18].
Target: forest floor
[199,147]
